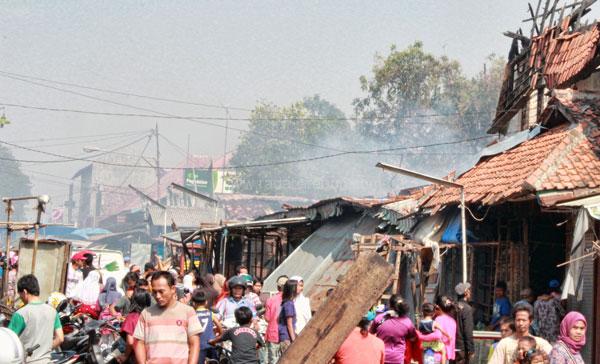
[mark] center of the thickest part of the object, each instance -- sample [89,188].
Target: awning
[590,203]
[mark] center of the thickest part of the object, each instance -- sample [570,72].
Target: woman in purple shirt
[286,322]
[394,328]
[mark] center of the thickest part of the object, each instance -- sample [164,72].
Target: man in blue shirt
[235,300]
[502,306]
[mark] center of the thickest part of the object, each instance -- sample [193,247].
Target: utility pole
[8,235]
[157,165]
[70,204]
[225,150]
[158,192]
[191,165]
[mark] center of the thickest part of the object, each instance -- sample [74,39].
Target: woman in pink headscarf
[571,340]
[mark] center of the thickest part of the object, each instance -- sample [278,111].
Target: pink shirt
[449,325]
[272,308]
[165,332]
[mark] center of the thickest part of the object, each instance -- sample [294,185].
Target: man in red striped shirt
[167,332]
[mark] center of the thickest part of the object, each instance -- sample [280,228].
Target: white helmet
[12,350]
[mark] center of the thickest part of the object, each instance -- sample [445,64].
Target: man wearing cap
[273,306]
[465,347]
[302,305]
[74,277]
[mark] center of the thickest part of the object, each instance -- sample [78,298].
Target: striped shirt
[165,333]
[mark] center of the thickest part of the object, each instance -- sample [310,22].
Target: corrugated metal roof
[324,255]
[328,208]
[183,216]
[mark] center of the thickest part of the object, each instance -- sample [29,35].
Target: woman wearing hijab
[88,291]
[108,298]
[571,340]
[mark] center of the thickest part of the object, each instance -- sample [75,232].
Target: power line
[270,164]
[174,145]
[67,158]
[126,93]
[137,161]
[132,132]
[193,119]
[196,118]
[87,141]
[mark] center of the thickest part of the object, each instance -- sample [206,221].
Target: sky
[222,53]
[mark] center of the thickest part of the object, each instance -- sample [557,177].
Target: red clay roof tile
[562,158]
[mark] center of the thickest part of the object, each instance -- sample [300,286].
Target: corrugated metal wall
[326,248]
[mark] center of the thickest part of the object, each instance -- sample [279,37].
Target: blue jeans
[209,353]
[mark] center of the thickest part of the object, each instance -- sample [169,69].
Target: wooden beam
[534,16]
[545,15]
[360,288]
[518,36]
[563,7]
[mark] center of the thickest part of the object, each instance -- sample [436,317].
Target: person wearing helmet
[12,352]
[234,300]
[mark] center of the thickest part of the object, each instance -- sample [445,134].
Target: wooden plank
[396,276]
[360,288]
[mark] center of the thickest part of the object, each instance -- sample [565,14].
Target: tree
[286,133]
[477,106]
[416,98]
[14,182]
[406,85]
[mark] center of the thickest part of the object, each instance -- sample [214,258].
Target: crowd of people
[166,316]
[442,332]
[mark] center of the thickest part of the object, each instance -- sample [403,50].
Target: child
[507,328]
[209,322]
[245,340]
[538,357]
[525,348]
[139,301]
[428,326]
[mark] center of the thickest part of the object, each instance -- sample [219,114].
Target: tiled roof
[585,111]
[564,158]
[564,56]
[559,57]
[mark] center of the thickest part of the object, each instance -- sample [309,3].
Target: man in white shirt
[302,306]
[506,350]
[74,277]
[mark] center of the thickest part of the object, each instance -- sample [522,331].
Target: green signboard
[202,181]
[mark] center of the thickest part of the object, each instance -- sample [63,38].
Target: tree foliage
[414,95]
[14,182]
[296,129]
[413,98]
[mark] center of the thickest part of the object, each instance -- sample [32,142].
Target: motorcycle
[96,342]
[64,357]
[223,354]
